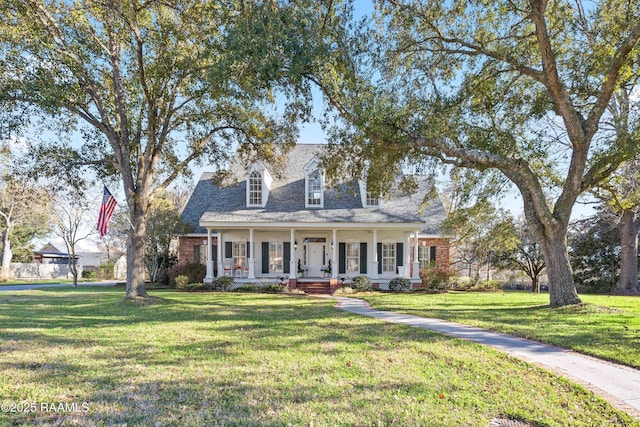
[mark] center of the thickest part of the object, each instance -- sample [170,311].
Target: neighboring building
[50,254]
[47,263]
[266,226]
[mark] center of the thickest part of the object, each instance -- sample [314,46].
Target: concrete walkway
[618,384]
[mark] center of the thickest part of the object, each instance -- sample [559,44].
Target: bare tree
[526,256]
[72,222]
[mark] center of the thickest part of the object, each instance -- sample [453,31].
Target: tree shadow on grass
[225,359]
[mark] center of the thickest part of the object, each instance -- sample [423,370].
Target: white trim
[407,226]
[357,257]
[334,254]
[209,274]
[363,196]
[250,189]
[252,255]
[307,175]
[293,264]
[265,181]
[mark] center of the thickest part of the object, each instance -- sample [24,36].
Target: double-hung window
[426,256]
[389,258]
[372,200]
[353,257]
[314,189]
[423,257]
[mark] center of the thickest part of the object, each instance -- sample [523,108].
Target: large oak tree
[154,86]
[516,87]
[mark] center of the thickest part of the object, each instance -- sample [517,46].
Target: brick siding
[186,244]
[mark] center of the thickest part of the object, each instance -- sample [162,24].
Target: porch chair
[227,267]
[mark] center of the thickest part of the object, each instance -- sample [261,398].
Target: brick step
[315,288]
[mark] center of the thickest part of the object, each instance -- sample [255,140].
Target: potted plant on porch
[326,269]
[301,270]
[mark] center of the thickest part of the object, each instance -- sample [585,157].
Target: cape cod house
[290,227]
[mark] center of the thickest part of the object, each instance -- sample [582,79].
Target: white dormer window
[314,189]
[258,185]
[372,200]
[369,199]
[314,184]
[255,189]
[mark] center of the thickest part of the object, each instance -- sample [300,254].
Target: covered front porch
[302,254]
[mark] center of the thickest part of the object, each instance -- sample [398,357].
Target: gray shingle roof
[286,202]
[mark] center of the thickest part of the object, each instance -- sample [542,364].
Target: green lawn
[604,326]
[260,360]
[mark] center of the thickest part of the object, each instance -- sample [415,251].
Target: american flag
[106,210]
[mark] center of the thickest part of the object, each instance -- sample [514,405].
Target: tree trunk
[135,252]
[628,227]
[6,255]
[535,284]
[74,272]
[562,289]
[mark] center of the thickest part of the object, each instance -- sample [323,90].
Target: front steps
[315,287]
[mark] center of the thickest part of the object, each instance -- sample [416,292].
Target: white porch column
[407,258]
[252,258]
[293,266]
[416,260]
[209,277]
[334,255]
[220,260]
[374,264]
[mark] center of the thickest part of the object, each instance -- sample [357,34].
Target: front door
[315,257]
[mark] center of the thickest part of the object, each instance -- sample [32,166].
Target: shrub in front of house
[193,270]
[362,284]
[400,284]
[274,288]
[181,282]
[436,277]
[221,283]
[249,287]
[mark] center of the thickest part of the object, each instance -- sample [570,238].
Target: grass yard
[604,326]
[193,359]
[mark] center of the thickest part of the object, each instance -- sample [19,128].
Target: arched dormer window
[258,185]
[255,189]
